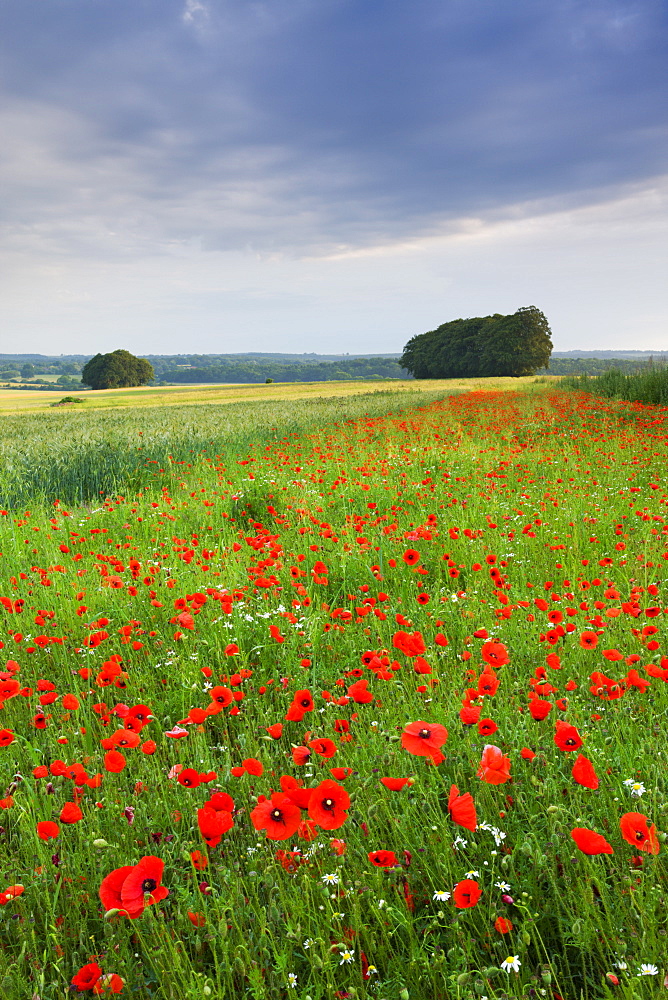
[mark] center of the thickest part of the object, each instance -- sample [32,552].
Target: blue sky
[329,175]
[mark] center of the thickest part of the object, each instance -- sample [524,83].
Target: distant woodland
[37,371]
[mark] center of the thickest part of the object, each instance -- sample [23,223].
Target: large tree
[515,345]
[117,370]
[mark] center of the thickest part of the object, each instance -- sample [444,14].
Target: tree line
[324,371]
[481,346]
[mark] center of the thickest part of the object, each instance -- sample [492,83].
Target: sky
[221,176]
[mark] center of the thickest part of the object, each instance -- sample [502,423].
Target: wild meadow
[360,699]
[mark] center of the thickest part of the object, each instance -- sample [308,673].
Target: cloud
[195,13]
[297,138]
[299,127]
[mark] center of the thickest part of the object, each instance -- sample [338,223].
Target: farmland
[334,697]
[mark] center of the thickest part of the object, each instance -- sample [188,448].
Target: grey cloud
[301,126]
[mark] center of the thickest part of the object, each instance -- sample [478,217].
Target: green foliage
[246,369]
[117,370]
[648,386]
[498,345]
[596,366]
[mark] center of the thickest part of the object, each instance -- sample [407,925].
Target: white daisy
[331,879]
[648,970]
[347,956]
[292,980]
[512,962]
[441,896]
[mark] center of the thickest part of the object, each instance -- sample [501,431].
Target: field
[332,698]
[26,400]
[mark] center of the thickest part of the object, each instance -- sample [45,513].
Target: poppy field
[368,701]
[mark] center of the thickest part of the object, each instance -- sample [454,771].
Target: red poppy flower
[6,737]
[469,714]
[307,830]
[466,894]
[589,640]
[301,755]
[462,809]
[124,738]
[143,880]
[301,703]
[527,754]
[583,772]
[487,726]
[590,842]
[327,805]
[294,789]
[253,766]
[359,693]
[324,748]
[220,802]
[383,859]
[199,860]
[488,683]
[503,925]
[114,761]
[110,889]
[396,784]
[411,557]
[494,653]
[10,893]
[539,708]
[340,773]
[213,823]
[87,977]
[275,730]
[70,813]
[290,861]
[278,816]
[48,830]
[221,697]
[494,767]
[126,888]
[634,830]
[189,778]
[567,737]
[423,739]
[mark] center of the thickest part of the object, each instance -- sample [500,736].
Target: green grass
[648,386]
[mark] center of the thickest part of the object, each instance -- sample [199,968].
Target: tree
[27,371]
[513,345]
[117,370]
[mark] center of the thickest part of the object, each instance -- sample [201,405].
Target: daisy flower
[441,896]
[635,787]
[512,962]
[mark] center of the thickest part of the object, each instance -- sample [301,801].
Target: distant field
[26,400]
